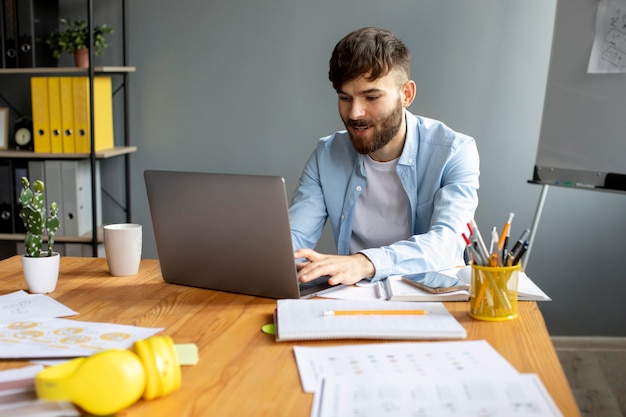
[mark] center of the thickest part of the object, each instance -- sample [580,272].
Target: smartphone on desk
[435,282]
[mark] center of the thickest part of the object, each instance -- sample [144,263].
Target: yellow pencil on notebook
[374,312]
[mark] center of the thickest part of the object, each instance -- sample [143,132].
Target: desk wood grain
[242,371]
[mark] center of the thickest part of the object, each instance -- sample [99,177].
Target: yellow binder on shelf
[54,109]
[103,113]
[67,114]
[41,119]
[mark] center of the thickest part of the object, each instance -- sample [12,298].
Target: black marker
[520,242]
[520,253]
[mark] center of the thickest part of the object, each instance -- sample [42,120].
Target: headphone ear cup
[102,384]
[160,360]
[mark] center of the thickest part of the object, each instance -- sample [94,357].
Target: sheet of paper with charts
[457,378]
[520,395]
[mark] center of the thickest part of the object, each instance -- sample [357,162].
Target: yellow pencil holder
[493,292]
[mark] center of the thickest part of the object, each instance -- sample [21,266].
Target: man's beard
[387,127]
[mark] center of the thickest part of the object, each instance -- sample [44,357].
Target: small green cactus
[33,214]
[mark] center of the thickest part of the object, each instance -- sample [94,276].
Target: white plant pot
[41,273]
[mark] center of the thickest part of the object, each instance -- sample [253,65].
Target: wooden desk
[242,371]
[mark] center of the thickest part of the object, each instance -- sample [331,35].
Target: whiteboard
[583,128]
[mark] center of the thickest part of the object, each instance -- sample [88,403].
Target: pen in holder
[493,292]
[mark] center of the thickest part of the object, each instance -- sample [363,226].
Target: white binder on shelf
[36,171]
[77,202]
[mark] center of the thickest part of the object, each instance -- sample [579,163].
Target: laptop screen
[227,232]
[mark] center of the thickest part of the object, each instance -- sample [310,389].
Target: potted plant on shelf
[74,39]
[41,268]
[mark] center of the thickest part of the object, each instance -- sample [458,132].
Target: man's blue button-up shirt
[438,169]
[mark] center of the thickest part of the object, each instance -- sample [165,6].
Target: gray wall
[241,87]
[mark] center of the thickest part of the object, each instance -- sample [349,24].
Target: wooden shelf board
[19,237]
[67,70]
[101,154]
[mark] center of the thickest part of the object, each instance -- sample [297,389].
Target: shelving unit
[118,151]
[67,70]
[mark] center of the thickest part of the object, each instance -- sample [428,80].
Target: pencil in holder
[493,292]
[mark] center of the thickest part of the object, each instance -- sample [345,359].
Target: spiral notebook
[310,320]
[394,289]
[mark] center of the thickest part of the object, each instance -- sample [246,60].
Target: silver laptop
[225,232]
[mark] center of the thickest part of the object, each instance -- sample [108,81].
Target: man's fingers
[309,254]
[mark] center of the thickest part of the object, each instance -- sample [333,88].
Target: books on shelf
[308,319]
[394,289]
[61,107]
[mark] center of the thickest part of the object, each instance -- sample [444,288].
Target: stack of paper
[404,395]
[394,289]
[438,379]
[18,397]
[29,329]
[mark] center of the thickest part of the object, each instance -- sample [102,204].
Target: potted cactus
[41,268]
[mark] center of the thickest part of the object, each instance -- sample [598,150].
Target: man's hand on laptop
[342,269]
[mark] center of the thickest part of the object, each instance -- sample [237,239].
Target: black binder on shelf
[9,38]
[2,34]
[6,197]
[20,169]
[36,19]
[24,28]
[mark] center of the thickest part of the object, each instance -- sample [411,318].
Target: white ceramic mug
[122,245]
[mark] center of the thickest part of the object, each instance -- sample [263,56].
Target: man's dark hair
[370,52]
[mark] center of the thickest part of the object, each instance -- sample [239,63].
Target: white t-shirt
[381,215]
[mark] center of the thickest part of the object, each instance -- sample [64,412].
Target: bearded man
[398,189]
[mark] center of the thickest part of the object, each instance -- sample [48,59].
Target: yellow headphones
[110,381]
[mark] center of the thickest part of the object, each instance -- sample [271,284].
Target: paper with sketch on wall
[608,54]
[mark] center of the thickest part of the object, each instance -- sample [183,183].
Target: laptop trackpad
[314,286]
